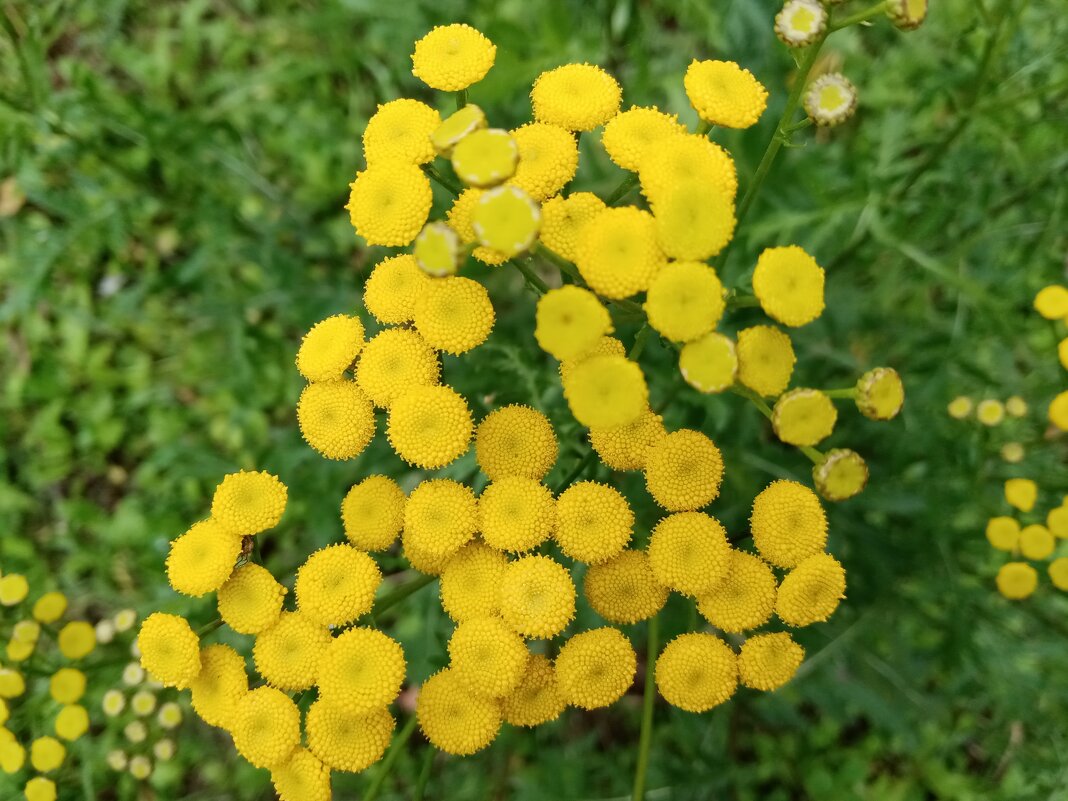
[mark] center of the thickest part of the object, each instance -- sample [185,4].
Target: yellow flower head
[437,250]
[548,159]
[689,552]
[400,131]
[394,361]
[627,447]
[1021,493]
[830,100]
[990,412]
[266,727]
[12,684]
[594,522]
[392,289]
[1052,302]
[606,346]
[578,97]
[537,597]
[1016,580]
[452,57]
[454,314]
[1057,521]
[767,661]
[606,391]
[248,502]
[40,789]
[389,203]
[362,669]
[49,607]
[201,560]
[800,22]
[515,440]
[1058,411]
[336,418]
[13,588]
[624,589]
[486,157]
[429,426]
[696,672]
[454,719]
[471,582]
[26,632]
[373,513]
[506,220]
[67,685]
[685,158]
[1058,573]
[569,321]
[1016,406]
[140,767]
[563,218]
[595,668]
[811,591]
[803,417]
[330,348]
[710,363]
[629,134]
[170,714]
[77,639]
[694,220]
[251,600]
[1036,542]
[744,599]
[685,301]
[789,285]
[19,651]
[487,656]
[221,683]
[47,754]
[440,517]
[456,127]
[683,471]
[336,585]
[765,359]
[907,14]
[288,654]
[841,475]
[788,523]
[536,699]
[113,702]
[618,253]
[880,393]
[960,407]
[516,514]
[725,94]
[71,722]
[12,754]
[424,561]
[302,777]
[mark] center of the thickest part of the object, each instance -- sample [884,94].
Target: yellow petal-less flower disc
[594,522]
[841,475]
[1016,580]
[113,702]
[1058,573]
[201,560]
[47,754]
[548,159]
[17,651]
[686,158]
[536,700]
[990,412]
[563,218]
[696,672]
[1036,542]
[537,597]
[400,131]
[624,589]
[1052,302]
[744,599]
[570,321]
[373,513]
[470,584]
[454,315]
[960,407]
[578,97]
[49,607]
[389,203]
[441,516]
[1057,521]
[437,250]
[710,363]
[515,440]
[452,57]
[394,361]
[725,94]
[595,668]
[266,727]
[1012,452]
[26,631]
[487,656]
[506,220]
[627,447]
[170,649]
[768,661]
[251,600]
[12,754]
[67,685]
[880,393]
[1062,353]
[907,14]
[830,100]
[330,348]
[460,217]
[363,669]
[628,135]
[765,359]
[221,683]
[429,426]
[13,588]
[12,684]
[788,523]
[606,346]
[606,391]
[140,767]
[392,289]
[248,502]
[800,22]
[1058,411]
[618,252]
[789,285]
[454,719]
[336,419]
[1016,406]
[347,741]
[811,591]
[689,553]
[1021,493]
[72,722]
[684,301]
[803,417]
[683,471]
[143,703]
[77,639]
[694,220]
[456,127]
[486,157]
[336,585]
[516,514]
[40,788]
[302,777]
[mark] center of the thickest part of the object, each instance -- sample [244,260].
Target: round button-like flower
[12,684]
[1003,533]
[248,502]
[536,700]
[606,346]
[470,584]
[287,654]
[803,417]
[516,514]
[744,599]
[618,253]
[251,600]
[345,740]
[486,157]
[488,656]
[1058,411]
[789,285]
[765,359]
[429,426]
[515,440]
[170,649]
[47,754]
[302,777]
[594,522]
[336,419]
[461,218]
[811,591]
[394,361]
[548,159]
[563,218]
[1021,493]
[685,158]
[624,589]
[595,668]
[1052,302]
[452,57]
[49,607]
[569,321]
[578,97]
[221,683]
[400,131]
[1036,542]
[788,523]
[1058,573]
[1057,521]
[800,22]
[629,134]
[40,788]
[710,363]
[880,393]
[907,14]
[841,475]
[506,220]
[684,470]
[440,517]
[960,407]
[689,552]
[266,727]
[71,722]
[767,661]
[78,639]
[606,391]
[201,560]
[392,288]
[454,314]
[830,100]
[67,685]
[373,513]
[685,301]
[694,220]
[362,669]
[336,585]
[330,348]
[537,597]
[696,672]
[1016,580]
[389,203]
[725,94]
[457,126]
[627,447]
[454,719]
[437,250]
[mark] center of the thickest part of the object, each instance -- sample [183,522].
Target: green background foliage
[171,218]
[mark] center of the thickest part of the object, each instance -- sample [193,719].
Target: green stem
[622,190]
[424,774]
[639,342]
[737,301]
[847,393]
[813,455]
[576,471]
[208,629]
[387,764]
[645,739]
[435,175]
[860,16]
[532,278]
[703,128]
[461,99]
[400,593]
[562,264]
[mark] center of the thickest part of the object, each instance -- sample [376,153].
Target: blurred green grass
[174,176]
